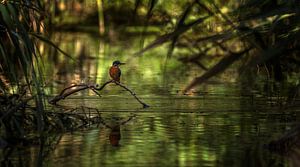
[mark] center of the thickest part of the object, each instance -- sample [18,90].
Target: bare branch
[63,95]
[132,93]
[108,82]
[72,86]
[95,91]
[95,88]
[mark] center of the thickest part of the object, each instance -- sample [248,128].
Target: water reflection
[295,158]
[28,152]
[161,139]
[115,132]
[288,145]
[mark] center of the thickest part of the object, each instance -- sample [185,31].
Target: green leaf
[6,16]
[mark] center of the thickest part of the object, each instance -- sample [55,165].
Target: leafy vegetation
[258,36]
[21,74]
[263,34]
[209,33]
[20,62]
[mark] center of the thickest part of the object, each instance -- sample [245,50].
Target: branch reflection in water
[288,145]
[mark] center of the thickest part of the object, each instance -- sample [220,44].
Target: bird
[115,71]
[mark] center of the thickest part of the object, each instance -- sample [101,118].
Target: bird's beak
[122,63]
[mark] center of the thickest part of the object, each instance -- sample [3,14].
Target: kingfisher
[115,71]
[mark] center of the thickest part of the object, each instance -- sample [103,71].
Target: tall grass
[20,59]
[22,103]
[22,25]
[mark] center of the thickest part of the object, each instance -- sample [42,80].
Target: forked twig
[95,88]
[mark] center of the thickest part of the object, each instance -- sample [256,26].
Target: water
[176,132]
[220,124]
[163,139]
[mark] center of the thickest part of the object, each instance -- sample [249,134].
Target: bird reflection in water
[115,130]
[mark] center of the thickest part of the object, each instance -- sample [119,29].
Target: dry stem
[95,88]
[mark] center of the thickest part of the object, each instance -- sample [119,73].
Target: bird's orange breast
[115,73]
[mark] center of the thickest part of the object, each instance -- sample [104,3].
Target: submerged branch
[95,88]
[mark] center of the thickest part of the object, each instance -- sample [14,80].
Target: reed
[22,25]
